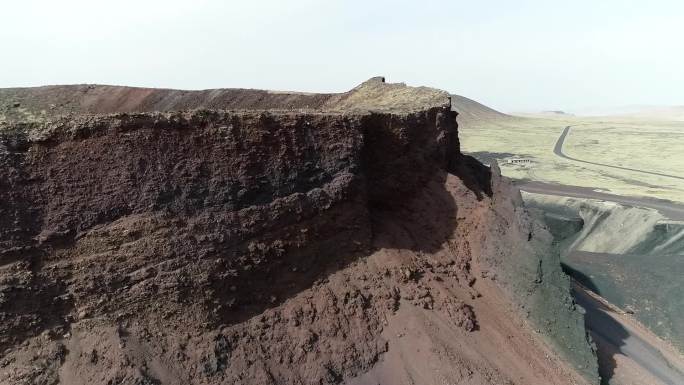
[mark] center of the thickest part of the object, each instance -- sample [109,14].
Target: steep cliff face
[211,246]
[522,252]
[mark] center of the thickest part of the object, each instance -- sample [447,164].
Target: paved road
[615,335]
[558,150]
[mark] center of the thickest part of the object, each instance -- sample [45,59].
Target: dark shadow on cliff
[421,222]
[580,277]
[402,203]
[476,176]
[407,205]
[608,334]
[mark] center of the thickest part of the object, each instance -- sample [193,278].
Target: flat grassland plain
[648,145]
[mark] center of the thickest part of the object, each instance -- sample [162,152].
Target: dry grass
[655,146]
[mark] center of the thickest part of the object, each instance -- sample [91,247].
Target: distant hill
[556,112]
[470,111]
[658,113]
[673,113]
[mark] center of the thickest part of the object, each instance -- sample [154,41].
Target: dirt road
[628,352]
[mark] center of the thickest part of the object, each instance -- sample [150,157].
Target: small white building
[519,161]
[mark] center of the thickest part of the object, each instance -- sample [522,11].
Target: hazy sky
[512,55]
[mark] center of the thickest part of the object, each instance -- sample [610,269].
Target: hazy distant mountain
[556,113]
[637,111]
[470,110]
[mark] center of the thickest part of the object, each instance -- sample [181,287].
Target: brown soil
[351,243]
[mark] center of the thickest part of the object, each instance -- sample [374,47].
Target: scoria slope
[240,236]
